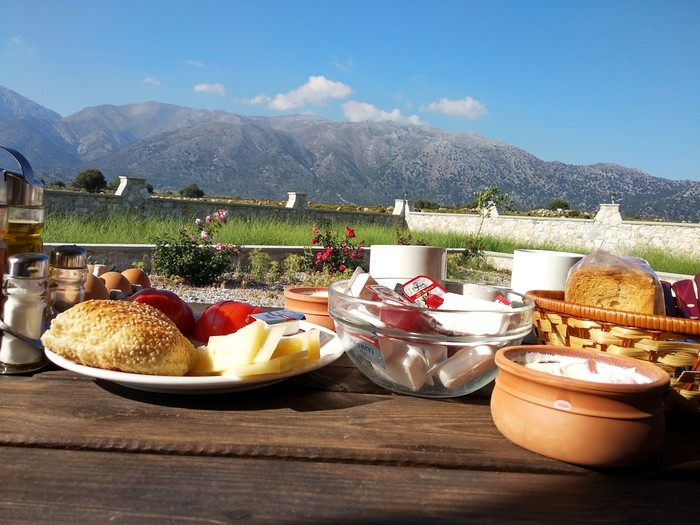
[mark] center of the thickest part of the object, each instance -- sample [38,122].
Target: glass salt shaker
[25,311]
[67,275]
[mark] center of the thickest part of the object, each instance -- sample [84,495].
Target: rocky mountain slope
[362,163]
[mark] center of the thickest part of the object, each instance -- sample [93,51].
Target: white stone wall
[607,230]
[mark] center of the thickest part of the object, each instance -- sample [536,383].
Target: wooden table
[325,447]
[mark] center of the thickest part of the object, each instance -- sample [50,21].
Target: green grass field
[129,229]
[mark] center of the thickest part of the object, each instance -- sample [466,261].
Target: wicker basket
[669,342]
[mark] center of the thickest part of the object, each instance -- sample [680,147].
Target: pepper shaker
[67,274]
[25,310]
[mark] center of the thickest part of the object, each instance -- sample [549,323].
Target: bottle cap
[33,265]
[68,256]
[22,188]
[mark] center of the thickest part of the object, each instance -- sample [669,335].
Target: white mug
[407,261]
[541,269]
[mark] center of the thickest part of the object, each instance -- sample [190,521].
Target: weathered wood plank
[68,411]
[60,486]
[294,419]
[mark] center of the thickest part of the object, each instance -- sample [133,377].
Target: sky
[575,81]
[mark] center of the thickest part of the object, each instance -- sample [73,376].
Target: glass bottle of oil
[3,228]
[25,208]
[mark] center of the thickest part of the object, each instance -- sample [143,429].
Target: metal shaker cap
[34,265]
[68,256]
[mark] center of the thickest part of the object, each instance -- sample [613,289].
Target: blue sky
[575,81]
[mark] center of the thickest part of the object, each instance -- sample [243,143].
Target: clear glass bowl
[424,352]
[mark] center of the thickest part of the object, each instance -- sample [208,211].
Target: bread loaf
[121,335]
[603,280]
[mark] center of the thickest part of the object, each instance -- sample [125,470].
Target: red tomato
[170,304]
[224,318]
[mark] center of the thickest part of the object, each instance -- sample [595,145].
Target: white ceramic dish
[330,351]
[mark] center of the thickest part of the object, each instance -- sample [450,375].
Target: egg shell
[95,288]
[137,276]
[116,281]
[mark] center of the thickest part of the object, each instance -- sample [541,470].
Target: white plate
[330,351]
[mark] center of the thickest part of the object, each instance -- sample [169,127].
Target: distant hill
[361,163]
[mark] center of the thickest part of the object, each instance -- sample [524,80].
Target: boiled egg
[137,276]
[116,281]
[95,288]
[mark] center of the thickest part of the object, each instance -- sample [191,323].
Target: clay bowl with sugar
[427,352]
[584,407]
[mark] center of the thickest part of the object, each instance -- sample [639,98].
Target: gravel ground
[272,294]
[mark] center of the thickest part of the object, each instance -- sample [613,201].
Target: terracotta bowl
[312,302]
[581,421]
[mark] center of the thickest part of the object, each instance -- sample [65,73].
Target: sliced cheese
[303,341]
[225,351]
[275,333]
[273,366]
[257,349]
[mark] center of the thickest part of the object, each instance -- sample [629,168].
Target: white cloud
[344,66]
[467,107]
[316,91]
[360,111]
[195,63]
[256,100]
[217,89]
[151,82]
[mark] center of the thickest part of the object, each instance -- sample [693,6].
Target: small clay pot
[312,302]
[604,425]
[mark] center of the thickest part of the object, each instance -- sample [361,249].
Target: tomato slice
[223,318]
[170,304]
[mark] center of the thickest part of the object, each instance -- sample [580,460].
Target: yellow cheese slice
[277,365]
[225,351]
[304,341]
[275,333]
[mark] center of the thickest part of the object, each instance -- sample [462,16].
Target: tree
[192,191]
[90,180]
[424,204]
[558,204]
[492,198]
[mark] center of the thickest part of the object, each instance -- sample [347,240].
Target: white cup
[541,269]
[407,261]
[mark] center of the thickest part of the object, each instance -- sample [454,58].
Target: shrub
[262,267]
[339,254]
[192,255]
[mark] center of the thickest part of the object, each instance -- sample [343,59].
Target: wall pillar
[608,215]
[297,200]
[403,207]
[133,190]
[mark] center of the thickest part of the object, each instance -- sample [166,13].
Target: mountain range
[365,163]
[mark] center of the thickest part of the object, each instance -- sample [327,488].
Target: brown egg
[137,276]
[116,281]
[95,288]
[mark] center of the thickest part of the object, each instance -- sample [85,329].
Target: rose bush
[340,253]
[192,255]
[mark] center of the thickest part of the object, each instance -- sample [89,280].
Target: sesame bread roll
[120,335]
